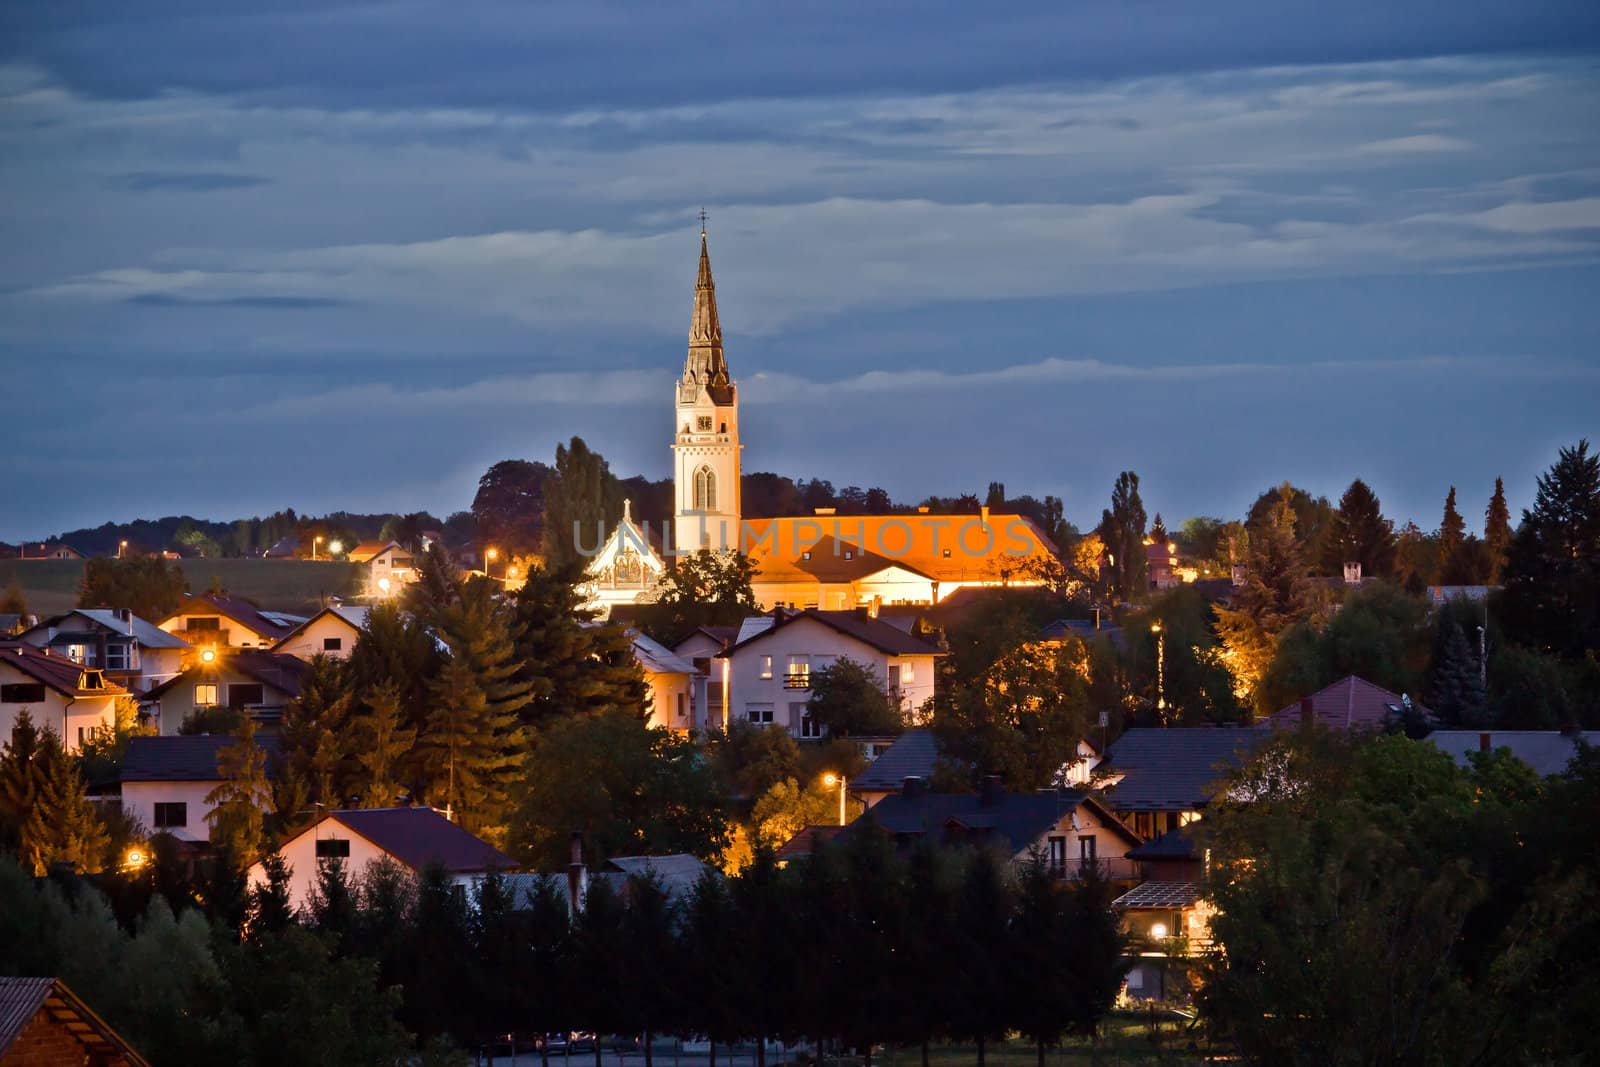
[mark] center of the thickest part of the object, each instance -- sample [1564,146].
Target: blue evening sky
[346,255]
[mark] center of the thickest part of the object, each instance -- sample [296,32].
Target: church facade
[823,560]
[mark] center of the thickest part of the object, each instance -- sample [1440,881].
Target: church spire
[706,365]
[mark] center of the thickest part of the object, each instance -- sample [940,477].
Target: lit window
[766,666]
[805,555]
[170,816]
[946,553]
[205,695]
[908,672]
[798,676]
[848,554]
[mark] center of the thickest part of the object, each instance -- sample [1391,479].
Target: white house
[165,781]
[701,648]
[132,652]
[770,667]
[263,684]
[331,632]
[389,566]
[217,619]
[412,837]
[677,690]
[57,693]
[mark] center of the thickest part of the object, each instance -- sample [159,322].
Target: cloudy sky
[330,255]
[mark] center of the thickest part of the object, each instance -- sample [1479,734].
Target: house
[1167,904]
[1546,751]
[770,666]
[165,781]
[390,566]
[45,1024]
[262,684]
[57,693]
[1068,827]
[1157,779]
[414,838]
[284,548]
[136,654]
[217,620]
[1351,703]
[54,550]
[676,689]
[330,632]
[702,647]
[807,841]
[626,566]
[915,754]
[677,874]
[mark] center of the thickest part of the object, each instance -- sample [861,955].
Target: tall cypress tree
[19,779]
[472,743]
[1452,534]
[579,496]
[1360,534]
[1122,530]
[1497,531]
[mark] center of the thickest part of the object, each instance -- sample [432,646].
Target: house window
[333,848]
[244,694]
[848,554]
[332,644]
[703,423]
[204,622]
[908,672]
[399,563]
[809,727]
[121,657]
[1058,855]
[205,695]
[1086,850]
[805,555]
[759,714]
[1144,824]
[766,666]
[22,693]
[798,676]
[171,815]
[81,733]
[705,489]
[680,706]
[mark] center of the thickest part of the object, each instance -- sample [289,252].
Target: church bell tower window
[705,489]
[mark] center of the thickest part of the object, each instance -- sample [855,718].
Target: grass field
[51,585]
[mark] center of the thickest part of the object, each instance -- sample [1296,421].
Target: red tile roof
[1349,704]
[236,608]
[57,672]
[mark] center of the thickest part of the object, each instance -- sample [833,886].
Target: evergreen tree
[579,496]
[651,986]
[19,778]
[599,960]
[549,936]
[437,588]
[436,972]
[1358,533]
[241,800]
[147,586]
[271,910]
[1497,531]
[571,666]
[720,958]
[471,744]
[397,650]
[383,744]
[1122,530]
[1040,951]
[61,826]
[1274,596]
[1158,531]
[1455,686]
[982,929]
[1452,533]
[332,905]
[314,740]
[1552,573]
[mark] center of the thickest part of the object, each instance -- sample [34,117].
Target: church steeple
[706,365]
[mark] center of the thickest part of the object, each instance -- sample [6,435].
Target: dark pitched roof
[22,999]
[881,635]
[1178,844]
[420,836]
[802,843]
[1016,819]
[1163,895]
[1174,769]
[277,669]
[236,608]
[182,759]
[913,755]
[1351,703]
[1546,751]
[111,620]
[57,672]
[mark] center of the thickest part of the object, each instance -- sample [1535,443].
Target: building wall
[667,711]
[69,718]
[237,634]
[308,642]
[1111,848]
[300,853]
[717,449]
[178,703]
[44,1042]
[140,799]
[821,646]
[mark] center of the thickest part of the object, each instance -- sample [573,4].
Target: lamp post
[489,558]
[122,546]
[831,780]
[1161,667]
[315,541]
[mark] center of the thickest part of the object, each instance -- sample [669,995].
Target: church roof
[945,548]
[706,365]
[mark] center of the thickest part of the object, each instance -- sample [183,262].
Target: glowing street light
[122,546]
[830,780]
[134,859]
[1158,931]
[383,586]
[335,547]
[208,655]
[315,541]
[490,557]
[1161,666]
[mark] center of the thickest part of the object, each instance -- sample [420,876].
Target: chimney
[983,514]
[1483,742]
[912,787]
[577,876]
[991,791]
[863,612]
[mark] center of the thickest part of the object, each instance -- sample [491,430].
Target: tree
[717,949]
[508,508]
[398,650]
[61,825]
[383,744]
[1158,531]
[787,808]
[13,602]
[1313,516]
[702,588]
[571,666]
[631,789]
[19,778]
[471,742]
[1552,572]
[1358,533]
[580,496]
[148,586]
[1274,596]
[240,801]
[314,741]
[651,987]
[600,953]
[549,936]
[1497,531]
[848,699]
[751,759]
[1455,686]
[981,994]
[1122,530]
[1452,532]
[1381,633]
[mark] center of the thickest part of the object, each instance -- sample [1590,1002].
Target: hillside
[299,586]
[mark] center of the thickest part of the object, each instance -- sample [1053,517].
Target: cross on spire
[703,218]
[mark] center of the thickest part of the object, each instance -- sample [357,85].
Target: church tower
[705,452]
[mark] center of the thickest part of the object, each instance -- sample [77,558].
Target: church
[822,560]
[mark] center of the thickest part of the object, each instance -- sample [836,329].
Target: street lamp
[135,859]
[491,556]
[831,780]
[1161,666]
[335,547]
[208,655]
[1158,931]
[122,546]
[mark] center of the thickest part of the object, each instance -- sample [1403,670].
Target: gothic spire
[706,365]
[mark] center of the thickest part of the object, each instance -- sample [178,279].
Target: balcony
[1115,869]
[797,680]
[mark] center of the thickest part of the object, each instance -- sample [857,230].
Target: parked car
[574,1041]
